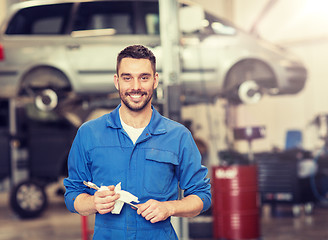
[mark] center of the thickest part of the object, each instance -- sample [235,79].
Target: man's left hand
[154,211]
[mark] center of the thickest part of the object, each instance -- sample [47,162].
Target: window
[121,17]
[152,23]
[117,16]
[149,12]
[45,19]
[51,25]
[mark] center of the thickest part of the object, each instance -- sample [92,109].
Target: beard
[136,106]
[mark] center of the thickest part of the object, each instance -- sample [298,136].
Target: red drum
[235,202]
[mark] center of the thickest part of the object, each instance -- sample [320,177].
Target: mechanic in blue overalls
[150,155]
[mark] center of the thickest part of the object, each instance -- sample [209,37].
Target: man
[149,154]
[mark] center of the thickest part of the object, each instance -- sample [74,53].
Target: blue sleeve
[78,171]
[192,175]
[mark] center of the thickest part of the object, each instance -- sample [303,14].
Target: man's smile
[136,96]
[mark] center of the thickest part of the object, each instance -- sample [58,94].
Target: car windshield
[44,19]
[214,25]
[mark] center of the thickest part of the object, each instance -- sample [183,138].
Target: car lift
[19,154]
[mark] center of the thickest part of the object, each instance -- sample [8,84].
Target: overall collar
[156,125]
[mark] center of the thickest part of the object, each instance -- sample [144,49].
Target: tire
[249,92]
[247,71]
[28,199]
[46,85]
[46,100]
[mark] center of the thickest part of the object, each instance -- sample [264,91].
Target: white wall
[3,8]
[302,27]
[210,126]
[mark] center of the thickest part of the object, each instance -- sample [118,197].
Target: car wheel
[46,100]
[249,92]
[28,199]
[47,86]
[245,79]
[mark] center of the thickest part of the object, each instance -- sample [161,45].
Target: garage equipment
[86,231]
[4,140]
[235,202]
[249,134]
[34,149]
[319,183]
[279,182]
[235,190]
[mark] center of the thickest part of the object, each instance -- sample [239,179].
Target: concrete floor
[57,223]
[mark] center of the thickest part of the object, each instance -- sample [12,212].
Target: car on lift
[49,49]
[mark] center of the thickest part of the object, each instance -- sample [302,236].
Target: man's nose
[136,84]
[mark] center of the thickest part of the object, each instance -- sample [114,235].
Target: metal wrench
[94,186]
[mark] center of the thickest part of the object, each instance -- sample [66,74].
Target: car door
[101,29]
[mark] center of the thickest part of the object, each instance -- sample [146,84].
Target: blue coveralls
[164,156]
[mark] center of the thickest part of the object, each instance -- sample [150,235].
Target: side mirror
[191,18]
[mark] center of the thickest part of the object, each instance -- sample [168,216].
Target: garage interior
[300,26]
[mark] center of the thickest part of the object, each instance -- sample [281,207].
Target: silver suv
[71,46]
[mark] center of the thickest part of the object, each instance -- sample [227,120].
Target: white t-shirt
[133,133]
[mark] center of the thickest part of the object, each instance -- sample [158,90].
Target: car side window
[121,17]
[152,23]
[117,16]
[40,20]
[149,13]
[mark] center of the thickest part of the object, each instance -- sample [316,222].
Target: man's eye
[126,78]
[145,78]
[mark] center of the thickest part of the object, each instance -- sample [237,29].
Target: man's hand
[104,200]
[154,211]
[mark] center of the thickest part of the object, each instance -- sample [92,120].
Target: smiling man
[149,154]
[135,81]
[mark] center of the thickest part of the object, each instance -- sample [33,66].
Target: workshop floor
[57,223]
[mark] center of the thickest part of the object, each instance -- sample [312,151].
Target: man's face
[136,82]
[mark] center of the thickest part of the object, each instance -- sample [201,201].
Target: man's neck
[136,119]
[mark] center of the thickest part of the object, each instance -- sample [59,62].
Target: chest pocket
[159,171]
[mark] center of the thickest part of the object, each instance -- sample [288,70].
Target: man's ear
[116,81]
[156,79]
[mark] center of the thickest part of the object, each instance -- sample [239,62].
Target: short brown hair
[137,52]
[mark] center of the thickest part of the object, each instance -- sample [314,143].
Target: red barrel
[235,202]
